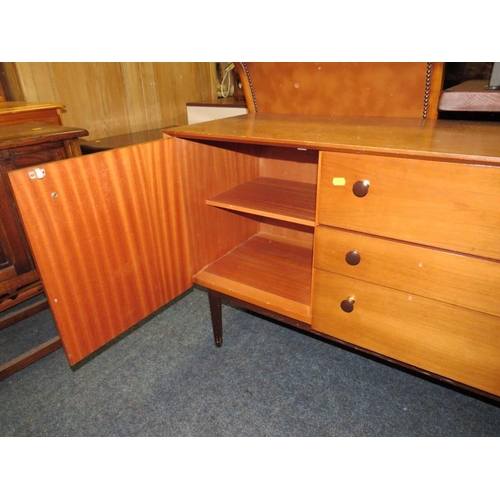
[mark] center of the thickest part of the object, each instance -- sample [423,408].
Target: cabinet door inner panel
[108,233]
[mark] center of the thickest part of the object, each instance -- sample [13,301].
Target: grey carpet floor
[167,378]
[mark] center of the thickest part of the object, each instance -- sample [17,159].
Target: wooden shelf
[18,112]
[267,270]
[284,200]
[470,96]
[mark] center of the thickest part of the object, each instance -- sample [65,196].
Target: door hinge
[38,173]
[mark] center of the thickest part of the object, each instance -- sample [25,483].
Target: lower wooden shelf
[268,271]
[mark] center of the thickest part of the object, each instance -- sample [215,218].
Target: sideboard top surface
[436,139]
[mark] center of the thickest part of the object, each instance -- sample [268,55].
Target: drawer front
[449,277]
[38,154]
[446,205]
[449,341]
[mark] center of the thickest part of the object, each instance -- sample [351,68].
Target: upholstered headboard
[343,89]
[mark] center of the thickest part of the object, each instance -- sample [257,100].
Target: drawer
[37,154]
[441,204]
[446,340]
[449,277]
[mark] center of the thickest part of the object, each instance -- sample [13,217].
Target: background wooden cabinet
[23,145]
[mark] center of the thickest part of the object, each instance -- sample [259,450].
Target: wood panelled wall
[112,98]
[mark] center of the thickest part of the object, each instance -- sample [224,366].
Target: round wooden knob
[347,305]
[360,188]
[352,258]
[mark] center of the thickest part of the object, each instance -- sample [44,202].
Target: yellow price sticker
[338,181]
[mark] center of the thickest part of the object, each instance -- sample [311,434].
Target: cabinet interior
[271,265]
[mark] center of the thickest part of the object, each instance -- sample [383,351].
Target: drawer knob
[347,305]
[352,258]
[360,188]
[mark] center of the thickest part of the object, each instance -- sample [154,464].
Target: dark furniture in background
[26,143]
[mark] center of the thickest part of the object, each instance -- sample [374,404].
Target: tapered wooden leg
[216,313]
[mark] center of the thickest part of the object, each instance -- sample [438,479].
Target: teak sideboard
[380,233]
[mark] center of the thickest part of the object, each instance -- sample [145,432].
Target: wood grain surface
[108,232]
[113,98]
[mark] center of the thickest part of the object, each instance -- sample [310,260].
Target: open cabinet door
[109,236]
